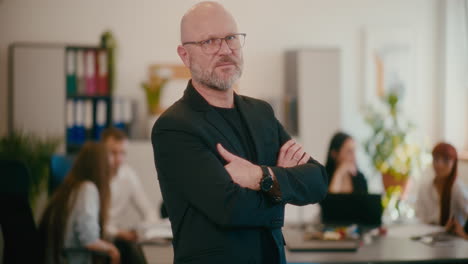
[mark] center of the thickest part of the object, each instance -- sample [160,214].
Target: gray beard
[212,80]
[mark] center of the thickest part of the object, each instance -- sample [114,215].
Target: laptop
[339,210]
[296,242]
[346,209]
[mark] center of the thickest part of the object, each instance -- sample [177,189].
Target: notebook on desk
[345,209]
[296,241]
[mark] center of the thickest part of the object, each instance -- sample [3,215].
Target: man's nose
[224,49]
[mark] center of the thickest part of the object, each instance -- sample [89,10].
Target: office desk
[381,250]
[386,250]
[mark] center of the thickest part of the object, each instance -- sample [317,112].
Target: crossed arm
[249,175]
[228,195]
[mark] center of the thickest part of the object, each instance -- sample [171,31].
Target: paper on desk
[157,230]
[412,230]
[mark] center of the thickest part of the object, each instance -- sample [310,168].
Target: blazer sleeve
[190,168]
[303,184]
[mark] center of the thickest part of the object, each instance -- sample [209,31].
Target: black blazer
[213,219]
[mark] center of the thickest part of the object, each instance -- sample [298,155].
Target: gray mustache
[228,60]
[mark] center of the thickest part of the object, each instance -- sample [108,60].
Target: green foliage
[391,192]
[154,86]
[153,95]
[35,152]
[389,145]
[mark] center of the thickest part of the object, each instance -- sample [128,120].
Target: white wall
[147,32]
[454,74]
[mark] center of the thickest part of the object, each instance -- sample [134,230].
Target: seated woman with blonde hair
[77,212]
[443,200]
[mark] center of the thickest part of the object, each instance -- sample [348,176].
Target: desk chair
[22,240]
[60,165]
[20,235]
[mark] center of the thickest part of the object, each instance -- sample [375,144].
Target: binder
[90,72]
[71,71]
[117,120]
[88,103]
[101,118]
[80,72]
[70,121]
[88,119]
[79,124]
[102,73]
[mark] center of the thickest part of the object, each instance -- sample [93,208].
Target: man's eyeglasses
[211,46]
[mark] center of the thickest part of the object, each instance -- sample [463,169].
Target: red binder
[90,72]
[102,73]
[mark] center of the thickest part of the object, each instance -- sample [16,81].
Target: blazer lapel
[253,122]
[214,118]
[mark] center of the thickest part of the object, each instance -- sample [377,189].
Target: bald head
[205,20]
[215,64]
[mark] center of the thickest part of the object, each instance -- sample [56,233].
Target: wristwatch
[266,184]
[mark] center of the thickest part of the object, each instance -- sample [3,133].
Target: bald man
[226,166]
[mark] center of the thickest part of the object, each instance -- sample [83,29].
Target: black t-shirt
[234,119]
[238,125]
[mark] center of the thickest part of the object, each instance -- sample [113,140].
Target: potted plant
[393,148]
[153,88]
[35,152]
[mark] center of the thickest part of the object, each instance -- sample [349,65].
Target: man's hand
[127,235]
[242,171]
[292,154]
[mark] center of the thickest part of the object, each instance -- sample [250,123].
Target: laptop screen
[346,209]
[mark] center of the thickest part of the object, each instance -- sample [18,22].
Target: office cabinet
[313,97]
[59,90]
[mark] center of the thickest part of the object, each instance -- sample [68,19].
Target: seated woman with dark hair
[77,212]
[442,199]
[344,176]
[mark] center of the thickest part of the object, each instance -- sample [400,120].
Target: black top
[238,125]
[359,182]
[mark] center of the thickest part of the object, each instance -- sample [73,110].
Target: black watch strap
[265,171]
[266,183]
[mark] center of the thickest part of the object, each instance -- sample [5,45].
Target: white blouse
[428,203]
[82,226]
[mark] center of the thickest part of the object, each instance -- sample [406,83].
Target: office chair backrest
[60,165]
[20,235]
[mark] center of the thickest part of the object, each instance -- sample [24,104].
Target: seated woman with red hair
[443,200]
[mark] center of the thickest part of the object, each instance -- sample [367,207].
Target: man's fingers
[285,148]
[299,154]
[228,156]
[304,159]
[291,151]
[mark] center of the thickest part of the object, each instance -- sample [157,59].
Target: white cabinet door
[38,90]
[313,77]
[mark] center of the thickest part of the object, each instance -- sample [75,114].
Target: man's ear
[183,54]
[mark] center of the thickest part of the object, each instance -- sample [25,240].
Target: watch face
[267,183]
